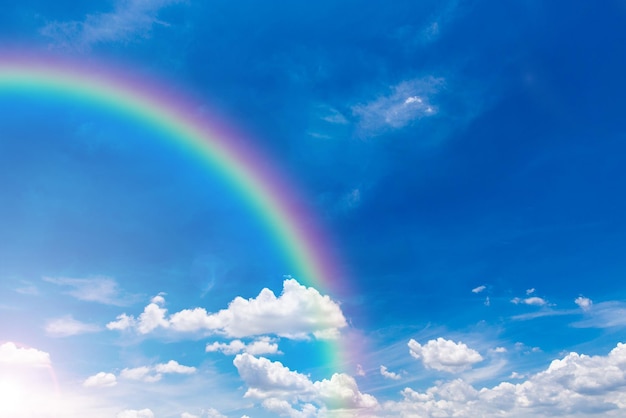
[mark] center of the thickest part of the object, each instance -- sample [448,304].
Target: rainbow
[248,170]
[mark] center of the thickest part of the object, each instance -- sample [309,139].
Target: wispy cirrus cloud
[404,103]
[479,289]
[67,326]
[129,20]
[103,290]
[603,315]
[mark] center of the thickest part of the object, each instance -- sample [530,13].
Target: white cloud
[530,291]
[130,20]
[151,374]
[153,316]
[213,413]
[174,367]
[583,303]
[444,355]
[209,413]
[574,386]
[263,345]
[534,301]
[134,413]
[67,326]
[283,408]
[342,392]
[97,289]
[389,375]
[298,313]
[408,101]
[271,380]
[102,379]
[11,354]
[122,322]
[479,289]
[143,373]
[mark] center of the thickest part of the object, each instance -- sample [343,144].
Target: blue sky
[465,159]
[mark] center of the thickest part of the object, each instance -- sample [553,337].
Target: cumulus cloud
[283,408]
[67,326]
[213,413]
[122,322]
[444,355]
[271,380]
[97,289]
[389,375]
[263,345]
[130,20]
[134,413]
[11,354]
[407,102]
[102,380]
[173,366]
[479,289]
[298,313]
[151,374]
[583,303]
[209,413]
[143,373]
[576,385]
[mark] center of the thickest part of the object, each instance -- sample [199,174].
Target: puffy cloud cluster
[263,345]
[209,413]
[11,354]
[576,386]
[148,374]
[134,413]
[389,375]
[102,380]
[298,313]
[444,355]
[280,389]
